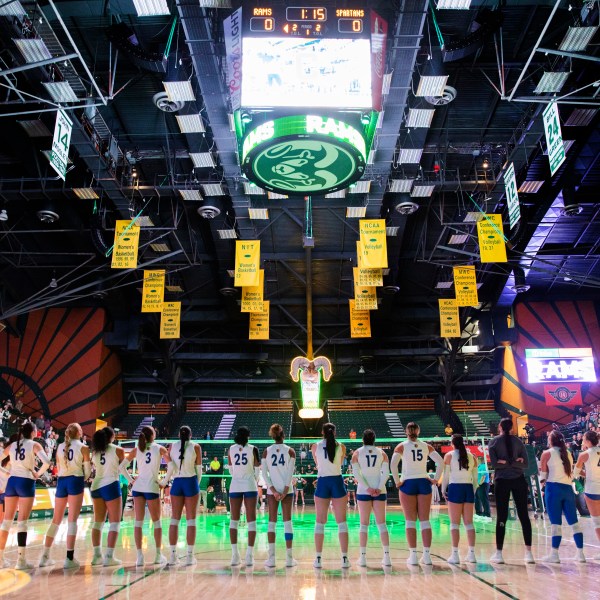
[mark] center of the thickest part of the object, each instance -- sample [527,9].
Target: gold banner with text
[373,242]
[170,319]
[247,263]
[465,286]
[125,249]
[449,321]
[153,292]
[259,324]
[252,296]
[360,322]
[491,239]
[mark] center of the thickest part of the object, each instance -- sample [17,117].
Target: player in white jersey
[330,489]
[590,460]
[109,461]
[458,487]
[371,469]
[146,490]
[244,463]
[278,465]
[556,469]
[186,465]
[20,488]
[73,459]
[415,489]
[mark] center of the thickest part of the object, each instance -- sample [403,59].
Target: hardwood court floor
[212,577]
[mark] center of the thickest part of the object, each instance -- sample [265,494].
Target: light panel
[387,82]
[35,128]
[409,156]
[356,212]
[444,285]
[371,158]
[551,81]
[401,186]
[227,234]
[151,8]
[276,196]
[215,3]
[530,187]
[581,117]
[86,193]
[213,189]
[33,49]
[458,238]
[338,194]
[258,214]
[362,186]
[419,117]
[473,217]
[379,123]
[160,247]
[60,91]
[202,160]
[190,123]
[13,9]
[391,231]
[454,4]
[422,191]
[431,85]
[192,195]
[174,288]
[181,91]
[144,221]
[231,273]
[253,190]
[577,38]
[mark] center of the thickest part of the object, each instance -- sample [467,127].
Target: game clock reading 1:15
[306,13]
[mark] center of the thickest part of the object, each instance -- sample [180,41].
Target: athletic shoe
[46,561]
[580,557]
[412,559]
[71,564]
[249,559]
[317,563]
[345,562]
[97,560]
[454,559]
[426,559]
[235,559]
[160,559]
[190,560]
[111,561]
[290,562]
[23,565]
[173,560]
[471,557]
[270,562]
[551,558]
[529,560]
[386,561]
[497,558]
[362,560]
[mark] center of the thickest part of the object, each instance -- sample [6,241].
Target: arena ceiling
[128,157]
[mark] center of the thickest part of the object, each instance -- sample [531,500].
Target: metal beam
[564,53]
[40,63]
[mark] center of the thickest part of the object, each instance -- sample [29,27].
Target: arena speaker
[503,334]
[485,24]
[125,39]
[485,338]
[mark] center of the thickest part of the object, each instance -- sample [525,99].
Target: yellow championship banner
[373,242]
[153,292]
[359,254]
[449,321]
[365,297]
[259,324]
[367,277]
[465,286]
[247,263]
[252,296]
[125,249]
[100,424]
[170,318]
[491,239]
[360,322]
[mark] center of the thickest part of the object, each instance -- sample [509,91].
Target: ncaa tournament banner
[465,286]
[449,321]
[360,322]
[170,318]
[373,242]
[232,28]
[367,277]
[491,239]
[125,249]
[563,394]
[247,263]
[252,296]
[153,291]
[379,30]
[259,324]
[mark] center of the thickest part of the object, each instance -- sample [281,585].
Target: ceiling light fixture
[203,160]
[391,231]
[190,123]
[213,189]
[419,117]
[151,8]
[362,186]
[431,85]
[422,191]
[454,4]
[399,186]
[258,214]
[485,164]
[3,215]
[577,38]
[191,195]
[258,371]
[551,82]
[61,91]
[361,370]
[356,212]
[179,90]
[33,49]
[227,234]
[12,9]
[252,189]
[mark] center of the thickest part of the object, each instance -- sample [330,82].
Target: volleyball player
[186,467]
[20,489]
[556,469]
[330,489]
[146,491]
[351,488]
[74,468]
[109,461]
[415,489]
[278,465]
[590,459]
[300,485]
[371,469]
[458,487]
[244,463]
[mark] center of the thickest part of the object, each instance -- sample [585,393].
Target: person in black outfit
[509,461]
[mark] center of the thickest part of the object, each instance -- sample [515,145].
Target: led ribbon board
[560,365]
[304,154]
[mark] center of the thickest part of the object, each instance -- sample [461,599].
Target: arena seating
[129,424]
[476,415]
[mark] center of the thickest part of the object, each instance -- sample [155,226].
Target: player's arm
[123,464]
[583,457]
[41,454]
[87,465]
[396,459]
[544,465]
[434,455]
[446,476]
[313,451]
[290,472]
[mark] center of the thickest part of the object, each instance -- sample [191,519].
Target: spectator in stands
[40,423]
[448,430]
[85,440]
[302,454]
[482,500]
[352,434]
[215,469]
[19,406]
[208,436]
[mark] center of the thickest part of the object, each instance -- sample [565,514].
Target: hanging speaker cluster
[125,39]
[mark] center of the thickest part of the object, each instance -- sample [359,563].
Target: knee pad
[342,527]
[382,527]
[5,525]
[425,525]
[251,525]
[191,524]
[453,526]
[271,527]
[174,523]
[556,530]
[157,524]
[288,531]
[52,530]
[114,527]
[22,526]
[98,526]
[138,524]
[411,525]
[233,524]
[576,528]
[364,528]
[469,526]
[72,528]
[320,528]
[596,522]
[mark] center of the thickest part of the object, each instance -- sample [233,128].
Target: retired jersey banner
[465,286]
[360,322]
[153,291]
[373,242]
[449,321]
[563,394]
[125,249]
[259,324]
[252,296]
[170,318]
[365,297]
[247,263]
[491,239]
[367,277]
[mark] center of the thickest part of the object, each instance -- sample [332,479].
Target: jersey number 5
[102,458]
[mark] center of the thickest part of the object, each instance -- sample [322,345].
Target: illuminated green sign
[304,154]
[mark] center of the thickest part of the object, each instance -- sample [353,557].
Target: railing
[233,406]
[383,404]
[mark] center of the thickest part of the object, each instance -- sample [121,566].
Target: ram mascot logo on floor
[309,372]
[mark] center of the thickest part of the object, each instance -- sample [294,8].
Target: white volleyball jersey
[187,466]
[241,468]
[148,467]
[22,459]
[107,467]
[457,473]
[279,467]
[592,470]
[414,460]
[326,468]
[556,469]
[70,463]
[370,459]
[4,475]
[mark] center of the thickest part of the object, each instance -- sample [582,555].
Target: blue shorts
[560,500]
[416,487]
[109,492]
[367,498]
[185,486]
[592,496]
[2,498]
[71,485]
[461,493]
[145,495]
[243,494]
[330,487]
[23,487]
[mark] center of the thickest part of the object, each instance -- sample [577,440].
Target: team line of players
[457,472]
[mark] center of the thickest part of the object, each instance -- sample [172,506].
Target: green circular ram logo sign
[303,155]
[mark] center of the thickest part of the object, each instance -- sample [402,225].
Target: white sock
[97,550]
[234,548]
[454,549]
[140,554]
[46,552]
[190,550]
[288,552]
[471,548]
[426,550]
[363,550]
[110,552]
[21,551]
[318,555]
[272,549]
[386,549]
